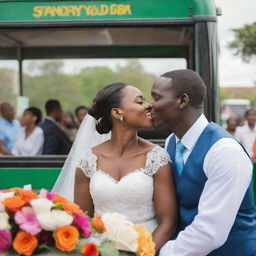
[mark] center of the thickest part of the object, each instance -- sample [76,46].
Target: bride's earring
[122,119]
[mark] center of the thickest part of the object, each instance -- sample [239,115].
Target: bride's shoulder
[87,163]
[153,149]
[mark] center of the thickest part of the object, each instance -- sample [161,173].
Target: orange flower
[66,238]
[146,246]
[25,243]
[90,249]
[59,198]
[25,195]
[98,224]
[13,203]
[68,206]
[28,195]
[17,190]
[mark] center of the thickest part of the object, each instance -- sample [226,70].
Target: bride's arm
[82,195]
[165,201]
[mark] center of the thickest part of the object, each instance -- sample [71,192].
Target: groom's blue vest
[242,238]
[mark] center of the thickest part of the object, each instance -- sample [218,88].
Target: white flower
[125,238]
[2,208]
[27,187]
[54,219]
[4,224]
[41,205]
[120,232]
[3,196]
[43,193]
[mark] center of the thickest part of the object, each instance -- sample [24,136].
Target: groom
[212,173]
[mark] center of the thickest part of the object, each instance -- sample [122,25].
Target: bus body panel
[68,11]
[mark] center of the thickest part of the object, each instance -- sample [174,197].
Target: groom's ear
[184,101]
[116,113]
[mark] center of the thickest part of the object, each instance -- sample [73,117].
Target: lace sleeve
[156,158]
[88,164]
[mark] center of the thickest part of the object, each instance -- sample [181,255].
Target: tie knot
[180,147]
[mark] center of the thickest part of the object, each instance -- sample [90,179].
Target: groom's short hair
[189,82]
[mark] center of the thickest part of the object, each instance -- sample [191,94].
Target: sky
[232,71]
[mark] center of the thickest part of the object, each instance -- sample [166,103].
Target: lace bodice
[132,195]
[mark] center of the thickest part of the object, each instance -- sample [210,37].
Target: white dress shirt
[246,137]
[30,146]
[228,170]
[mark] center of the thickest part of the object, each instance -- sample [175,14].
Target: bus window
[9,81]
[83,78]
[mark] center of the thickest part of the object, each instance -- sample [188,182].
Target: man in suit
[56,142]
[212,173]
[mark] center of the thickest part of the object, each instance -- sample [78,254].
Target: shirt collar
[190,138]
[51,119]
[7,122]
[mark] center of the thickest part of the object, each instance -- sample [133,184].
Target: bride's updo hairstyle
[106,99]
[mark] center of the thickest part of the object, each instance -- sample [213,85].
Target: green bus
[155,30]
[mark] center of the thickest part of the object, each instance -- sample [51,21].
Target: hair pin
[98,120]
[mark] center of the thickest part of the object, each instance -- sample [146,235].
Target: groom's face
[165,103]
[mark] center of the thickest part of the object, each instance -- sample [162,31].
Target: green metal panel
[98,52]
[37,177]
[54,11]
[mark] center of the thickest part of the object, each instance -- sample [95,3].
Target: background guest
[247,133]
[68,125]
[232,123]
[30,139]
[254,151]
[55,140]
[9,127]
[81,112]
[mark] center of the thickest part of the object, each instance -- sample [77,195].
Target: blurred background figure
[241,121]
[81,112]
[9,127]
[30,139]
[68,125]
[55,140]
[254,152]
[232,123]
[246,134]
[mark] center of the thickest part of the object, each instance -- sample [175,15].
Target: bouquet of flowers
[33,222]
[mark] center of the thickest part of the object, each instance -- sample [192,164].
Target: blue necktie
[179,157]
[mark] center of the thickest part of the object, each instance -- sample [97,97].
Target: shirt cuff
[165,250]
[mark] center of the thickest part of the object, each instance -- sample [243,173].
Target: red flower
[90,249]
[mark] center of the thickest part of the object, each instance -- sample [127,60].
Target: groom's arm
[228,170]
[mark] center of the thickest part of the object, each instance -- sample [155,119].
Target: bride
[124,174]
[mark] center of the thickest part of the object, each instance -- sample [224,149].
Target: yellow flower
[146,246]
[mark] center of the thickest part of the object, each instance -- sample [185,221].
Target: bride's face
[135,110]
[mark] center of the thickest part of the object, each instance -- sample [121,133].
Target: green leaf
[106,249]
[82,242]
[58,206]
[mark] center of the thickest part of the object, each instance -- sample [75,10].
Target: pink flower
[50,196]
[83,224]
[5,241]
[27,221]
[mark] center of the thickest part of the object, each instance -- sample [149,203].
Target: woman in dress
[30,139]
[127,174]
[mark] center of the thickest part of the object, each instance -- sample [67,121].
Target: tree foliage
[49,82]
[8,85]
[244,44]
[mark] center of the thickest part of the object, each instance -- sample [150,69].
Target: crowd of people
[244,132]
[33,135]
[54,134]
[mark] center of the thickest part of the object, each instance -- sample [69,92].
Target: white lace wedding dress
[132,195]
